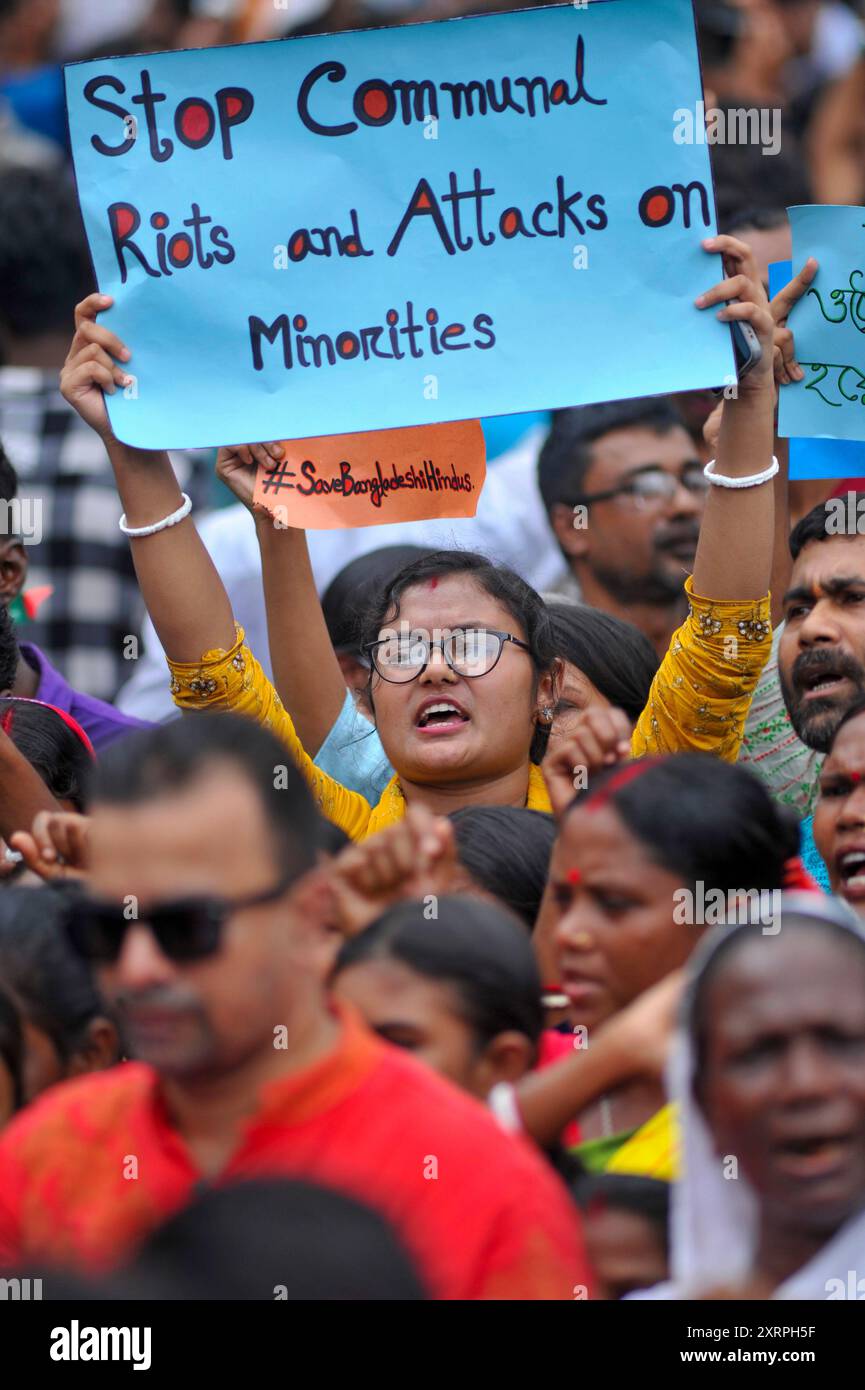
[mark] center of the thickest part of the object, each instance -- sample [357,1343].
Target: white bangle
[753,480]
[182,512]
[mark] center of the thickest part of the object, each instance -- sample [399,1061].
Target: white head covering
[713,1219]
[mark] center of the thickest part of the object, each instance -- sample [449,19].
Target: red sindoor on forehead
[433,583]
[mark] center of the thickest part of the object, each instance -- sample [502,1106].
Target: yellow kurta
[698,701]
[702,691]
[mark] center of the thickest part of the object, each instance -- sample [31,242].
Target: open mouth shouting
[437,717]
[850,864]
[813,1156]
[823,676]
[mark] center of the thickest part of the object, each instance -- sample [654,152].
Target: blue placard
[829,324]
[401,226]
[816,458]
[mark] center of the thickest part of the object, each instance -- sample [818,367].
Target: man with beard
[206,917]
[821,658]
[624,491]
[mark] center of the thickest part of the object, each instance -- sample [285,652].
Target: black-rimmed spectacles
[468,651]
[651,486]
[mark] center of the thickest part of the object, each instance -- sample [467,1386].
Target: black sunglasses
[186,929]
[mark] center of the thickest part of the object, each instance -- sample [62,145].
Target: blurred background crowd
[804,58]
[74,634]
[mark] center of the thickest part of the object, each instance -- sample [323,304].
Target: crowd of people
[486,921]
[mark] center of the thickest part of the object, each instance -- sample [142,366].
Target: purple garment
[102,723]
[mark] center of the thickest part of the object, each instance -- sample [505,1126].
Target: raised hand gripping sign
[400,227]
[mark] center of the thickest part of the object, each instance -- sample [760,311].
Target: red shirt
[480,1211]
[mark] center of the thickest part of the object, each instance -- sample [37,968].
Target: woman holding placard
[464,664]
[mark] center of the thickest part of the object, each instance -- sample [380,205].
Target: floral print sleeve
[701,694]
[233,680]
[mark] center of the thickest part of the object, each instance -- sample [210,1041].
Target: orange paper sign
[375,477]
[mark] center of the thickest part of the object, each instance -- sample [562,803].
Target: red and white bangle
[552,997]
[180,515]
[752,480]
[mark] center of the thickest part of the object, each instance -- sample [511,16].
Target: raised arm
[180,584]
[701,693]
[734,553]
[787,370]
[306,672]
[184,595]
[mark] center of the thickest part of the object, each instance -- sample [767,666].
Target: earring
[547,714]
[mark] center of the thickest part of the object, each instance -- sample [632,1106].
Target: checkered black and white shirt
[62,464]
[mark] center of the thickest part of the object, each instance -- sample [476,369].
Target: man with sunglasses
[206,918]
[624,491]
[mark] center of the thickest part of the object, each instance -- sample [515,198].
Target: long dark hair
[502,584]
[51,986]
[618,659]
[702,819]
[51,746]
[476,948]
[351,592]
[506,850]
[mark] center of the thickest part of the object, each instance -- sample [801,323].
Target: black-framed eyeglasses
[650,486]
[468,651]
[185,929]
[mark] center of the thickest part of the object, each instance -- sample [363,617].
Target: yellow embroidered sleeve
[233,680]
[701,694]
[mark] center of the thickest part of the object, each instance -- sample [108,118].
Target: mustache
[834,663]
[161,998]
[670,536]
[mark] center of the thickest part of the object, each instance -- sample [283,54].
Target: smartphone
[746,345]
